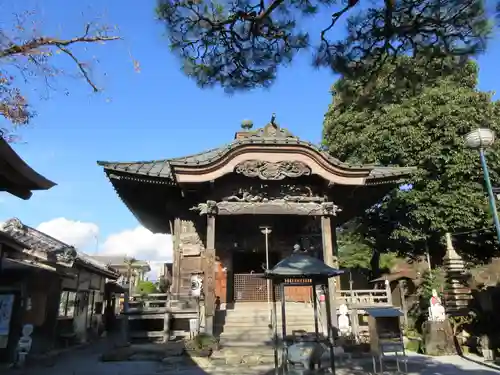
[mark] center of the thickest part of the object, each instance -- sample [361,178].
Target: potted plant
[202,345]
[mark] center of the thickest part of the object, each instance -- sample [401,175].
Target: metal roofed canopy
[301,266]
[383,312]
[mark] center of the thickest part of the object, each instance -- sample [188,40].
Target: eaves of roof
[23,179]
[161,171]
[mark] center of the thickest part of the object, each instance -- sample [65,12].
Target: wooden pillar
[176,266]
[209,279]
[330,259]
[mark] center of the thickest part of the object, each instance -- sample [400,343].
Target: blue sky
[157,113]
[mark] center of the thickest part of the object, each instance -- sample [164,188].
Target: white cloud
[76,233]
[156,269]
[139,243]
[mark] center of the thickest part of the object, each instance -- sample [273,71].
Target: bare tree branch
[27,54]
[33,46]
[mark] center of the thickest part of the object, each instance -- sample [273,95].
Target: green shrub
[414,346]
[202,341]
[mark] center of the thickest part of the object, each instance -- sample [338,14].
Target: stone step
[248,327]
[267,351]
[244,337]
[265,321]
[264,307]
[278,310]
[266,311]
[243,354]
[266,330]
[251,316]
[242,343]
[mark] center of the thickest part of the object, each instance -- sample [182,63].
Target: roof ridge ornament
[246,125]
[271,130]
[273,119]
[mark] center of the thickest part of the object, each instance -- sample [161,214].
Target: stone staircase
[248,324]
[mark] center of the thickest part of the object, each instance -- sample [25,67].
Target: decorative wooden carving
[272,170]
[268,207]
[190,243]
[266,192]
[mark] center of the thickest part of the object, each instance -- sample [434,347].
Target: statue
[343,320]
[437,331]
[436,309]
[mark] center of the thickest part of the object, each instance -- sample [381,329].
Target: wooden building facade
[216,203]
[51,286]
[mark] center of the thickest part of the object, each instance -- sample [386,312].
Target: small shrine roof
[383,312]
[302,266]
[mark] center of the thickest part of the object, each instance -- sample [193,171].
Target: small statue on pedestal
[436,309]
[343,320]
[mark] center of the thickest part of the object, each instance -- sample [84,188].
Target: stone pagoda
[457,294]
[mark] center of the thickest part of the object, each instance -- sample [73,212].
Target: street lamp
[480,139]
[266,231]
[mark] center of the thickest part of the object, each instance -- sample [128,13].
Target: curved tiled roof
[271,134]
[161,200]
[34,239]
[25,178]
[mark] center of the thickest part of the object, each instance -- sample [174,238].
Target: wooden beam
[271,207]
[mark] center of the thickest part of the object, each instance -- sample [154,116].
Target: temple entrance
[241,255]
[248,268]
[253,261]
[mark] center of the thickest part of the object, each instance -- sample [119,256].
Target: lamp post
[480,139]
[266,231]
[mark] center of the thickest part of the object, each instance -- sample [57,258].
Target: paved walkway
[87,362]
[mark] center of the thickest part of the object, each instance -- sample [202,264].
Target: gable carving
[279,170]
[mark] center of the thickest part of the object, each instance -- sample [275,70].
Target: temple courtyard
[88,361]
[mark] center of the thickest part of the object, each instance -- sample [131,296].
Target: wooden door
[220,283]
[298,293]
